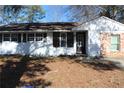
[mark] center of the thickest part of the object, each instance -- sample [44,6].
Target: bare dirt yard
[60,72]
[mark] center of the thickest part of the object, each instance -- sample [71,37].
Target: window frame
[41,37]
[6,37]
[30,37]
[118,43]
[60,40]
[16,36]
[63,39]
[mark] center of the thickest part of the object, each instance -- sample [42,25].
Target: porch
[52,43]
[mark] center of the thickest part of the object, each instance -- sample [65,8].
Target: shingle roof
[43,26]
[104,17]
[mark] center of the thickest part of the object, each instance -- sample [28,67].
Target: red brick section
[105,46]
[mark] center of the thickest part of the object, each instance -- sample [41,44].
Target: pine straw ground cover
[63,72]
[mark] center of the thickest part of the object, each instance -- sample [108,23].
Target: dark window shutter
[70,39]
[45,35]
[24,37]
[0,38]
[19,38]
[56,41]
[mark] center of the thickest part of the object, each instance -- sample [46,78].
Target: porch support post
[21,37]
[75,42]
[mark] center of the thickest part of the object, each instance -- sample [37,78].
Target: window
[70,39]
[14,37]
[115,42]
[31,37]
[6,37]
[0,38]
[40,36]
[63,39]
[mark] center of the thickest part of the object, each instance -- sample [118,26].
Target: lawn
[62,72]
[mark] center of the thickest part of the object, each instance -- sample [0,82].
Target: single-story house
[98,37]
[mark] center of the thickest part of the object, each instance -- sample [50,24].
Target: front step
[81,55]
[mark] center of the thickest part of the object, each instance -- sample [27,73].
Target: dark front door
[80,43]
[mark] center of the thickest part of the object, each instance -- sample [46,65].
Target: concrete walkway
[119,62]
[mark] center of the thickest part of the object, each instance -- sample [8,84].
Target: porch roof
[39,26]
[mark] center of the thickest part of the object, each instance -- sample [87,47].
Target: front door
[80,43]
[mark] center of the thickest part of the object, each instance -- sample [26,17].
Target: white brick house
[62,38]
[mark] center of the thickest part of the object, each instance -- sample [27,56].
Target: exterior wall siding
[93,43]
[105,45]
[37,48]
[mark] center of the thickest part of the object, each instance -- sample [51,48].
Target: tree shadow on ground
[12,71]
[39,83]
[97,64]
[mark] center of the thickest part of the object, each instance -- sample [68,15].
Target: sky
[55,13]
